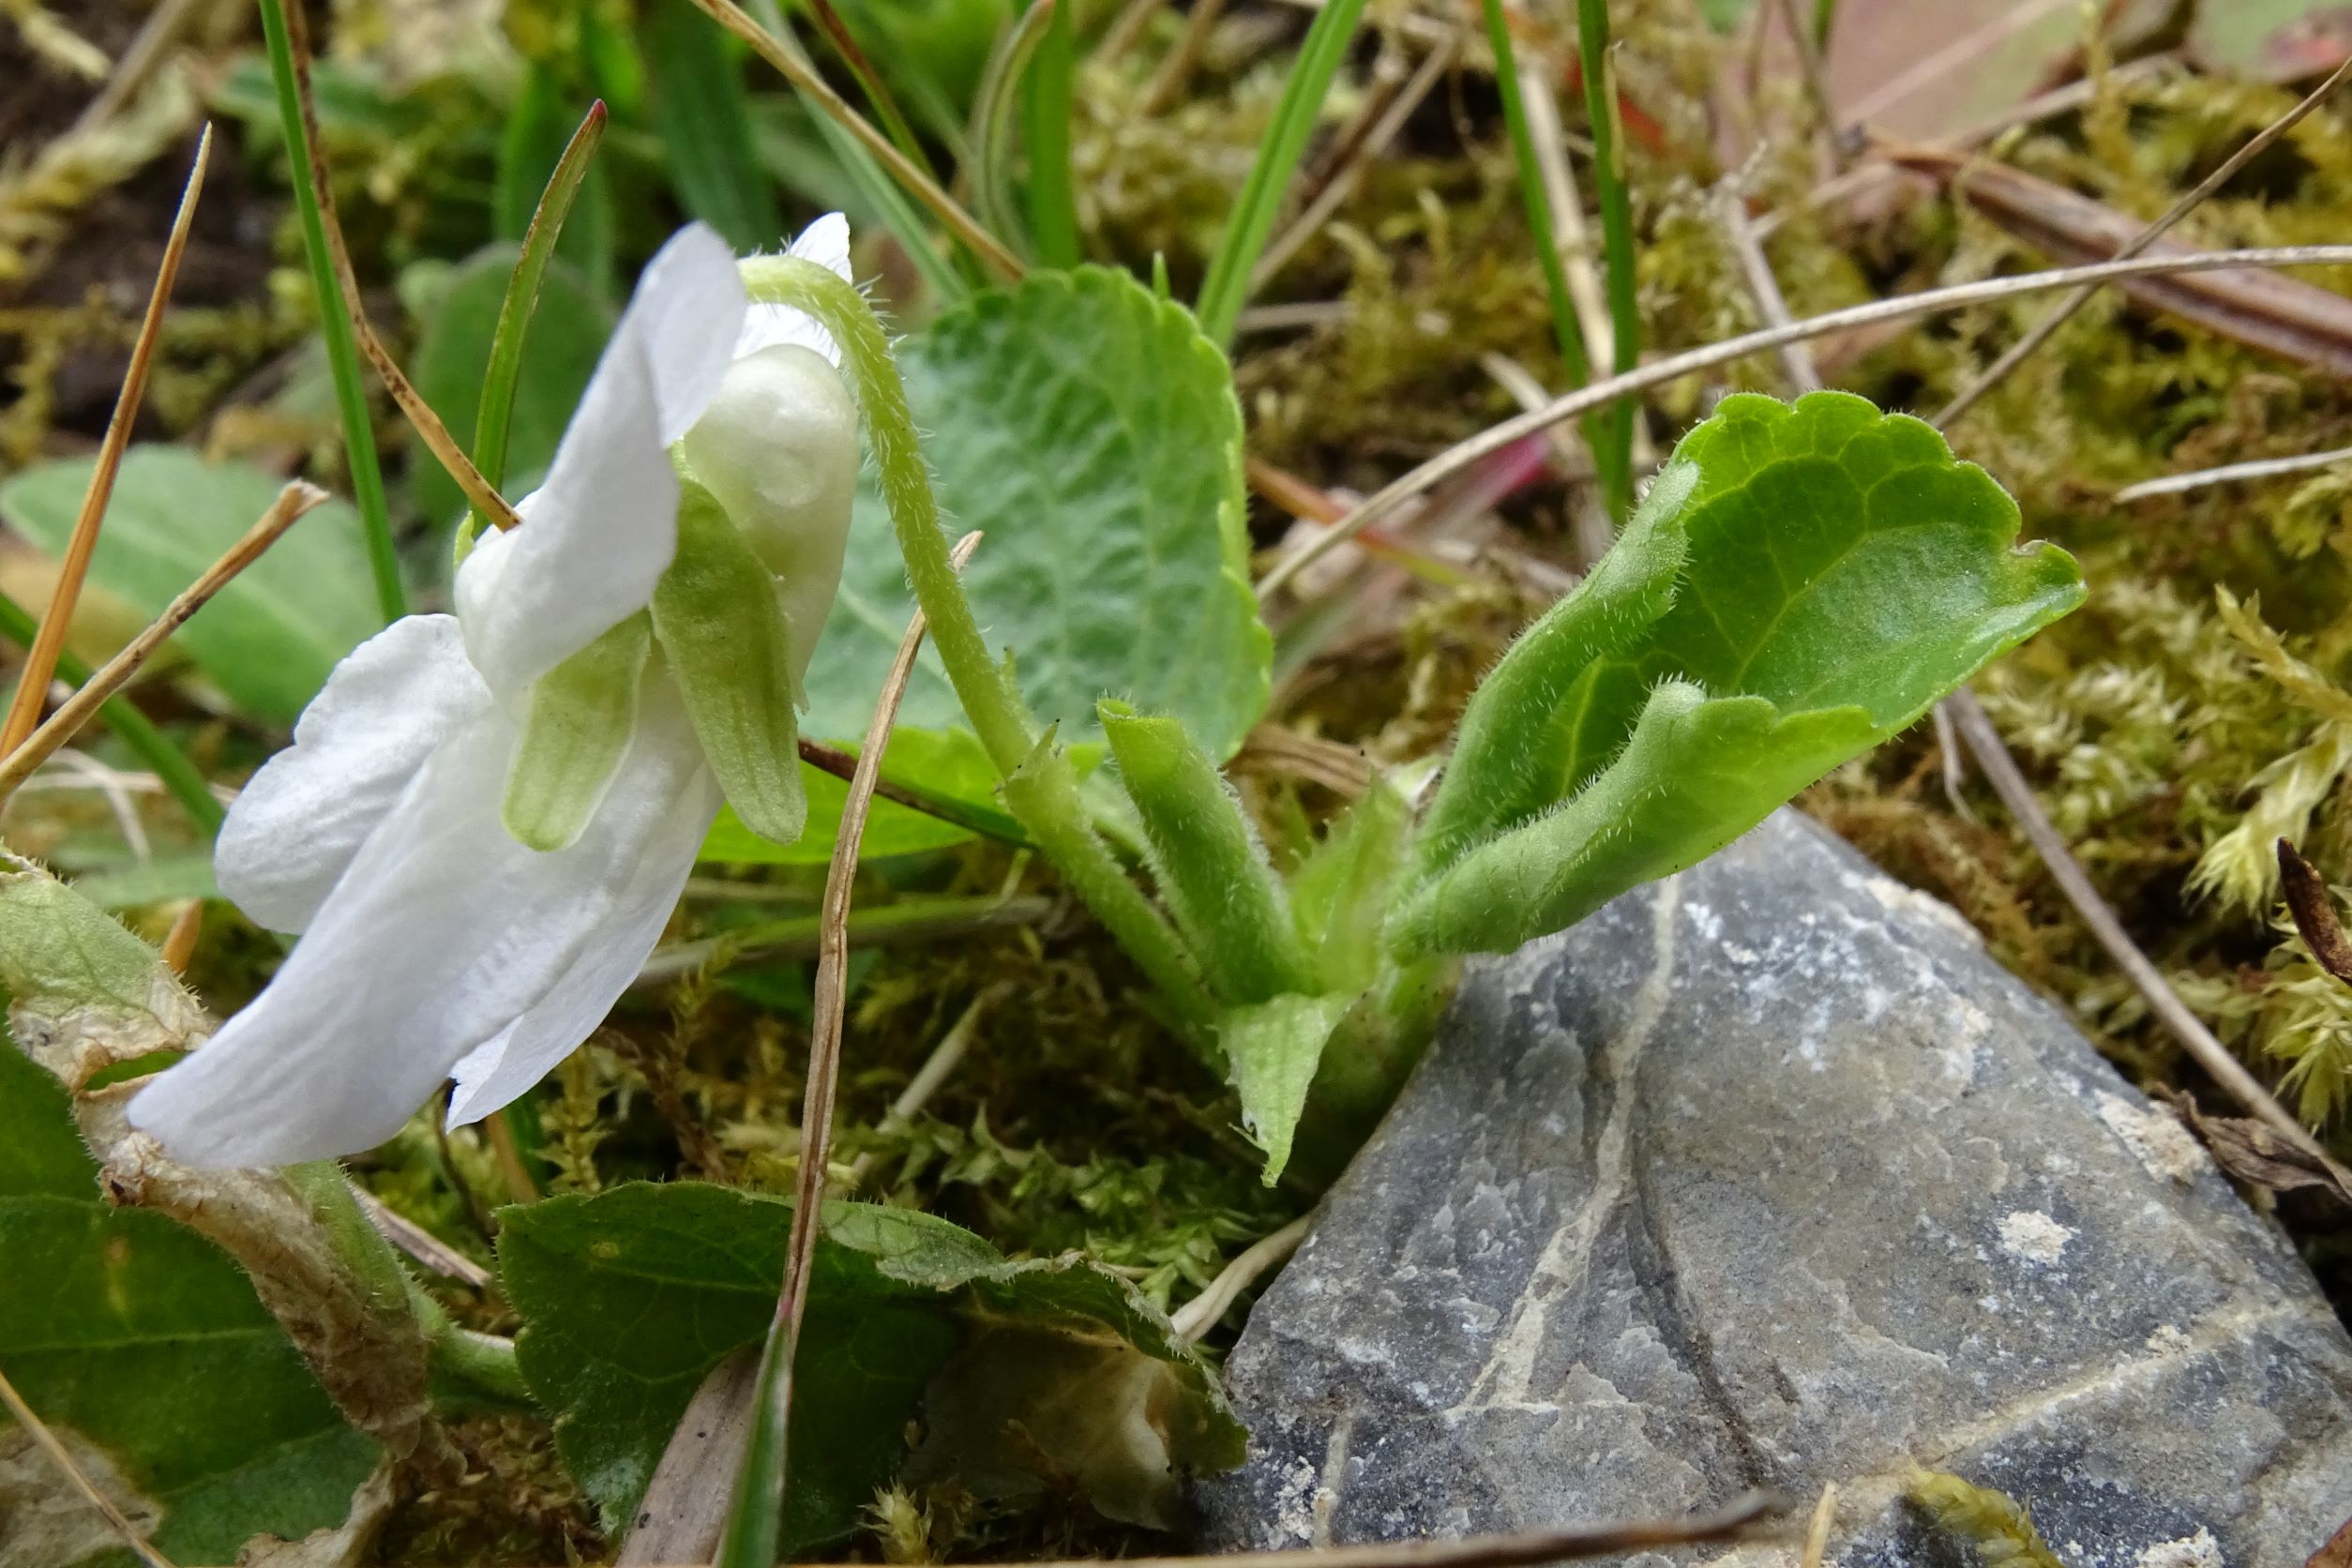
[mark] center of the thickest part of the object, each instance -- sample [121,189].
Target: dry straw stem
[179,943]
[1731,212]
[1524,1550]
[40,660]
[2002,771]
[293,502]
[935,1069]
[428,425]
[99,1501]
[1875,170]
[1817,1532]
[804,77]
[418,1243]
[776,1382]
[2265,468]
[2058,314]
[1462,455]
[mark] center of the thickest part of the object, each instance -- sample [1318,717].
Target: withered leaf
[2254,306]
[2255,1153]
[2314,911]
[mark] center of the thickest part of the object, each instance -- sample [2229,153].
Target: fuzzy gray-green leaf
[1213,872]
[1090,434]
[1271,1050]
[1839,572]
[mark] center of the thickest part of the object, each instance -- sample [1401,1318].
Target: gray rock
[1768,1176]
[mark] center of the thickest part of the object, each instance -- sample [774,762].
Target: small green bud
[777,449]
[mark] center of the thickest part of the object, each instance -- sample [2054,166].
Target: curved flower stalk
[485,818]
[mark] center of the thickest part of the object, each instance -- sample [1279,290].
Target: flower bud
[778,449]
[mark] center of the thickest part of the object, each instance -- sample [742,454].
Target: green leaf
[1091,433]
[1339,896]
[1510,759]
[1213,872]
[1698,772]
[133,885]
[716,616]
[140,1343]
[949,767]
[1272,1050]
[1840,572]
[572,324]
[630,1299]
[1226,288]
[530,150]
[581,717]
[696,95]
[269,638]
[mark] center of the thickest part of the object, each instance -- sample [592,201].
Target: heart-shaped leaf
[629,1298]
[1091,432]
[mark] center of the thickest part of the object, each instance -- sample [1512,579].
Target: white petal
[384,709]
[441,934]
[826,242]
[495,1074]
[600,532]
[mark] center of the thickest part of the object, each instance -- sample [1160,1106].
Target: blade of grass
[40,658]
[755,1518]
[795,68]
[1047,100]
[298,498]
[1613,447]
[493,423]
[1659,373]
[993,115]
[695,94]
[1226,288]
[136,732]
[421,417]
[869,82]
[342,347]
[1536,200]
[900,214]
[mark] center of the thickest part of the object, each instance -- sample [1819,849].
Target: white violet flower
[487,818]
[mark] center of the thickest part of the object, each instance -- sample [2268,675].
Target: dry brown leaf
[2254,306]
[2255,1153]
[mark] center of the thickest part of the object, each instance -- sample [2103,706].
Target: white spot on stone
[1295,1504]
[1739,955]
[2034,1236]
[2190,1551]
[2167,1341]
[2158,1140]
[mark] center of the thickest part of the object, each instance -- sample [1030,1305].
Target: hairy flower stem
[1047,804]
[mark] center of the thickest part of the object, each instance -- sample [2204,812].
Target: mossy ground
[2170,739]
